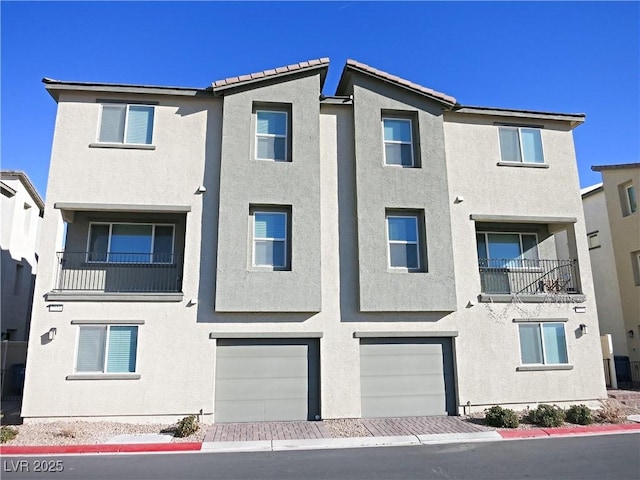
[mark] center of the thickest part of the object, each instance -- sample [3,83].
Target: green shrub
[497,416]
[579,414]
[187,426]
[547,415]
[7,434]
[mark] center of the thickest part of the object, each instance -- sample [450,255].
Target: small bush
[497,416]
[547,415]
[7,434]
[187,426]
[579,414]
[611,413]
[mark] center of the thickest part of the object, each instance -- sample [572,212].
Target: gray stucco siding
[380,188]
[245,182]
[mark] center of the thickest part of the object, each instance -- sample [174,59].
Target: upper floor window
[398,142]
[127,124]
[107,349]
[130,243]
[630,199]
[543,344]
[514,250]
[270,239]
[272,141]
[403,241]
[520,145]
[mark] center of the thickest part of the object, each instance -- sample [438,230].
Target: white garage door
[266,380]
[403,377]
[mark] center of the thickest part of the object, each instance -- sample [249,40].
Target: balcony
[528,277]
[117,274]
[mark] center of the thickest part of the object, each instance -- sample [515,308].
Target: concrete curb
[561,432]
[320,443]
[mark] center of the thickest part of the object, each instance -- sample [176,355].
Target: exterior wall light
[630,334]
[584,329]
[52,333]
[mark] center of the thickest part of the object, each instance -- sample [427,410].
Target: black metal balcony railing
[119,272]
[524,276]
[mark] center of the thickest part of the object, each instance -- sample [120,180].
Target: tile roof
[439,96]
[274,72]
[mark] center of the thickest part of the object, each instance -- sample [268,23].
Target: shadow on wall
[18,283]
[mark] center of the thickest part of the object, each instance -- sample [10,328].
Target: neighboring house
[22,210]
[613,235]
[256,250]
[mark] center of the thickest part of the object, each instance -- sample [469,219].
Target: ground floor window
[107,349]
[543,344]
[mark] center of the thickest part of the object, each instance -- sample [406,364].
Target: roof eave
[54,87]
[574,119]
[617,166]
[22,176]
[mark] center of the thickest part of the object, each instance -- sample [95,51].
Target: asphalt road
[580,458]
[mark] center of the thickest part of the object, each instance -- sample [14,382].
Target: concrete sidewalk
[329,434]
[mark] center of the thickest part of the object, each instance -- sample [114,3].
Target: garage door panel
[245,367]
[405,385]
[256,388]
[409,365]
[406,377]
[266,380]
[262,351]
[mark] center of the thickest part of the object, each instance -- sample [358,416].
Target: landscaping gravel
[88,433]
[346,427]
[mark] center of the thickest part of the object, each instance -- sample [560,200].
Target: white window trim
[398,142]
[271,135]
[153,240]
[126,123]
[522,160]
[403,242]
[628,198]
[544,351]
[486,242]
[276,239]
[106,349]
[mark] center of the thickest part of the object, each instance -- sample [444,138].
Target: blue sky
[577,57]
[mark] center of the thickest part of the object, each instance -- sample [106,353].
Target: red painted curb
[556,432]
[593,429]
[110,448]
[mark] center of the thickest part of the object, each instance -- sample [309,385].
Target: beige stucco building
[256,250]
[613,232]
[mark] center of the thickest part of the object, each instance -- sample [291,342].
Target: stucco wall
[245,182]
[380,187]
[605,278]
[625,231]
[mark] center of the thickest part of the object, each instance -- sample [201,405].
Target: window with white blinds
[128,124]
[107,349]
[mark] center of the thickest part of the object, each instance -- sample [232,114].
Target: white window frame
[276,239]
[126,122]
[403,242]
[630,208]
[106,349]
[544,351]
[153,240]
[270,135]
[398,142]
[522,160]
[520,234]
